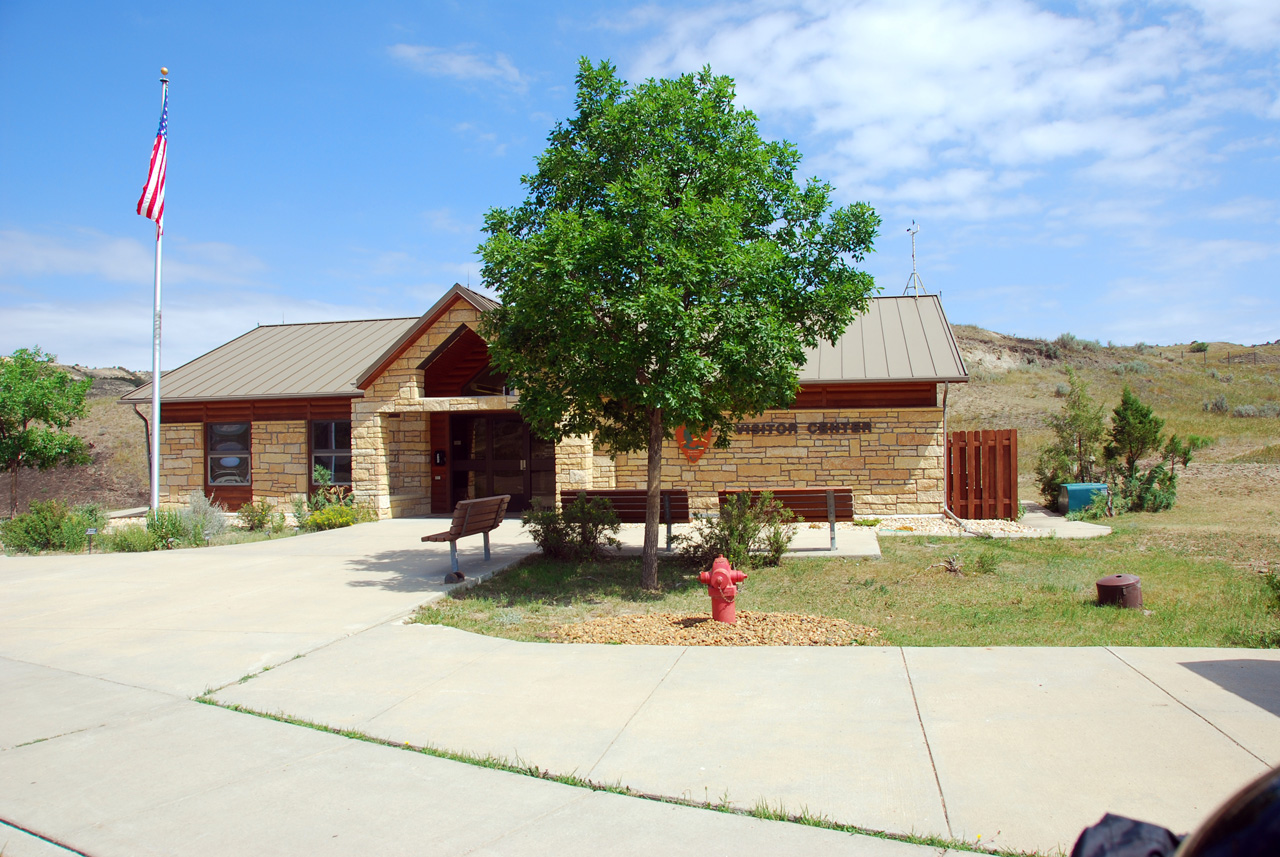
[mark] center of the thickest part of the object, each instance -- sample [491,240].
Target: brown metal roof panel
[875,360]
[943,345]
[281,360]
[919,359]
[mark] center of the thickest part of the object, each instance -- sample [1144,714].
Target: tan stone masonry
[181,461]
[278,450]
[896,468]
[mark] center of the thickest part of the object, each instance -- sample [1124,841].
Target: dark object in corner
[1117,836]
[454,577]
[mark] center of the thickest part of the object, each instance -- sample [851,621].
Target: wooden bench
[472,518]
[810,504]
[632,504]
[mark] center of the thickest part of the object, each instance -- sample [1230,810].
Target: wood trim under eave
[410,338]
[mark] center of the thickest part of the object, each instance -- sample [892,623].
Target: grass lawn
[1197,585]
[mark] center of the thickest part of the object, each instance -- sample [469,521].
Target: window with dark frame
[331,449]
[227,450]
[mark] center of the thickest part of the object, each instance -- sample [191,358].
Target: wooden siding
[909,395]
[982,474]
[328,408]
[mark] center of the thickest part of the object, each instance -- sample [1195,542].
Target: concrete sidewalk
[1043,519]
[102,749]
[1012,747]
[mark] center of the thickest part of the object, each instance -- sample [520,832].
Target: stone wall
[374,441]
[181,461]
[407,441]
[896,468]
[279,455]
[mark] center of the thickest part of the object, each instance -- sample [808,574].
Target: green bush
[168,528]
[1099,507]
[261,516]
[1154,490]
[750,532]
[1198,347]
[51,525]
[1217,406]
[131,538]
[204,518]
[201,519]
[579,533]
[336,516]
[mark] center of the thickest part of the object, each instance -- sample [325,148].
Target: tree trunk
[13,491]
[649,563]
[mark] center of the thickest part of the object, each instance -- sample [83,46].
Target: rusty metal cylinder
[1123,590]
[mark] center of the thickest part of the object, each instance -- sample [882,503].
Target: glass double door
[497,454]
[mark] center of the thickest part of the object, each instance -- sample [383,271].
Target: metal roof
[903,338]
[282,361]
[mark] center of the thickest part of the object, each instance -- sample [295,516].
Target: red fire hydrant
[721,583]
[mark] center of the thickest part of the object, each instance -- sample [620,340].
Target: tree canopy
[1135,432]
[37,402]
[665,269]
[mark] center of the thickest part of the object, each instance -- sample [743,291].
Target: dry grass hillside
[118,475]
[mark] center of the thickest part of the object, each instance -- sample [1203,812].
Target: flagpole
[155,335]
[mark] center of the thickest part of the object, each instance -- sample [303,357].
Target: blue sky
[1106,168]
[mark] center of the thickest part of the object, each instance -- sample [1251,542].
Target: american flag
[151,205]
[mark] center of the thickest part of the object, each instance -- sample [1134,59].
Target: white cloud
[462,64]
[895,91]
[117,332]
[126,260]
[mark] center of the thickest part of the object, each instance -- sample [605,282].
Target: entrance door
[496,454]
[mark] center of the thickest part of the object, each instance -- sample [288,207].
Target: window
[227,446]
[331,449]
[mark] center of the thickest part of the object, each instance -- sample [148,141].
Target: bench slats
[631,504]
[472,518]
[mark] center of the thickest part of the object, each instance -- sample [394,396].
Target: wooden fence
[982,474]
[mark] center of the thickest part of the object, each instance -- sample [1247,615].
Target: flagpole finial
[164,73]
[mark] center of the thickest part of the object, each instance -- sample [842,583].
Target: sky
[1109,169]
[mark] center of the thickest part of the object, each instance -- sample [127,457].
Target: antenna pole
[914,283]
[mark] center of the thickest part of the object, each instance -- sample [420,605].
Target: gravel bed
[752,629]
[939,526]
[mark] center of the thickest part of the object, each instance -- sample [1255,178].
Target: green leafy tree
[665,269]
[1135,432]
[38,402]
[1078,431]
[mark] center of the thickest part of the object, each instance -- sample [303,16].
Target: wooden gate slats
[982,467]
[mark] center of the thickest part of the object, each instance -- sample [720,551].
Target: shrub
[986,563]
[1198,347]
[1244,411]
[1218,405]
[51,525]
[168,528]
[1153,491]
[261,516]
[1099,507]
[1133,367]
[750,532]
[1269,409]
[336,516]
[203,518]
[132,538]
[1061,390]
[1048,350]
[579,533]
[1067,342]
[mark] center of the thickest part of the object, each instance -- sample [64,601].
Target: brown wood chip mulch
[751,629]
